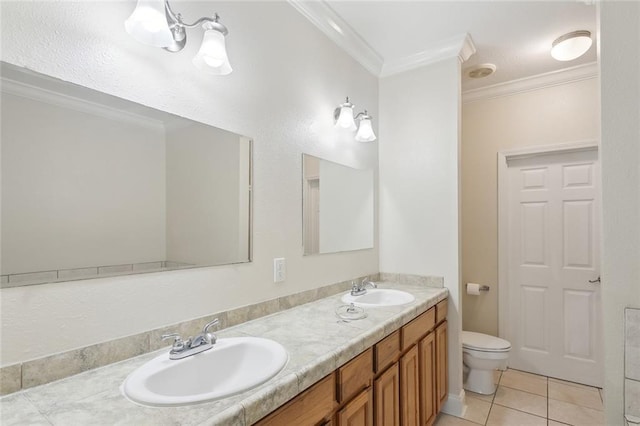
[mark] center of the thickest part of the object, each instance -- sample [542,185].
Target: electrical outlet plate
[279,270]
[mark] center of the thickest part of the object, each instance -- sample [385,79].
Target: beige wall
[565,113]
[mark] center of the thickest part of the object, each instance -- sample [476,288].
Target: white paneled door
[554,313]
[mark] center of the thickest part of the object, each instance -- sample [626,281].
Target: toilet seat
[479,342]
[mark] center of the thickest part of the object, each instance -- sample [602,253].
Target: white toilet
[481,355]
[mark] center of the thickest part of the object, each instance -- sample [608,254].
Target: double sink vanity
[304,365]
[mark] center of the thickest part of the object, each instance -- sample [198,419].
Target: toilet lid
[484,342]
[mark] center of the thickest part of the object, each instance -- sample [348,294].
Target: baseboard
[455,404]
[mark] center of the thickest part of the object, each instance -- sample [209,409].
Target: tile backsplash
[632,361]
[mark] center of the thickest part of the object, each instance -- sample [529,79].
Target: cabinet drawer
[308,408]
[417,328]
[441,311]
[355,375]
[387,351]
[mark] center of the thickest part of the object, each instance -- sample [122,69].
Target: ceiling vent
[481,71]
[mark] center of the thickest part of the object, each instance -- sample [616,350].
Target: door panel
[579,318]
[578,235]
[534,337]
[553,250]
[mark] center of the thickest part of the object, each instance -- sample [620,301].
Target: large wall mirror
[337,207]
[94,185]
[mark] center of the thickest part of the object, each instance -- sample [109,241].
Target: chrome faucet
[360,289]
[194,345]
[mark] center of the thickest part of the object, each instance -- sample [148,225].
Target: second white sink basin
[380,297]
[232,366]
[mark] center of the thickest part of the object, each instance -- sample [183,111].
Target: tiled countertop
[316,340]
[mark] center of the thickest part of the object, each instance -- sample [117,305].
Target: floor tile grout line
[530,393]
[522,411]
[547,401]
[489,413]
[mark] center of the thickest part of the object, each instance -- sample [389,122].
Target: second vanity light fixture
[345,119]
[154,23]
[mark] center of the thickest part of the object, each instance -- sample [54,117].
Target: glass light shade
[345,119]
[212,56]
[571,46]
[148,24]
[365,131]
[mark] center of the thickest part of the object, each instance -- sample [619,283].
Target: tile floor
[525,399]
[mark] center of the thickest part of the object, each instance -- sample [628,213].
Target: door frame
[503,196]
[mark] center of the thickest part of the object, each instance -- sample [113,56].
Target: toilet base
[480,381]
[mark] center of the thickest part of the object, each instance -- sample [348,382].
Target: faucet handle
[208,336]
[178,343]
[207,326]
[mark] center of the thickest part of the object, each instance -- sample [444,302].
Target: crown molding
[527,84]
[460,46]
[320,14]
[333,26]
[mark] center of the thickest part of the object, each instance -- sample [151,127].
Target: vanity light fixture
[154,23]
[344,118]
[571,46]
[365,131]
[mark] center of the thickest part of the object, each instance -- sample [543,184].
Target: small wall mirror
[337,207]
[94,185]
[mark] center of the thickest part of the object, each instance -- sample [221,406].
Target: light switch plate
[279,270]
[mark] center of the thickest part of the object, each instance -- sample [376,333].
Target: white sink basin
[380,297]
[232,366]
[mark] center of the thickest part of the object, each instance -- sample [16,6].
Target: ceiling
[393,36]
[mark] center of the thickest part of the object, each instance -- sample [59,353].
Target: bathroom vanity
[389,368]
[402,379]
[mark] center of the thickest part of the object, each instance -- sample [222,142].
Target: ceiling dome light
[571,46]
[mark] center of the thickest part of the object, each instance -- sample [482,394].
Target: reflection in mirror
[94,186]
[337,207]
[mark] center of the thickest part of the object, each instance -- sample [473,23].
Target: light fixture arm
[176,19]
[364,114]
[177,27]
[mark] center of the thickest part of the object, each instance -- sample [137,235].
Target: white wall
[203,210]
[620,147]
[552,115]
[287,80]
[419,156]
[75,178]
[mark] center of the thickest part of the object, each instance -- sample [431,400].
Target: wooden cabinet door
[313,406]
[442,376]
[355,376]
[410,388]
[358,412]
[386,397]
[427,356]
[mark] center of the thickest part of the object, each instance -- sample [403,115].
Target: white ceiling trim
[540,81]
[320,14]
[333,26]
[461,46]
